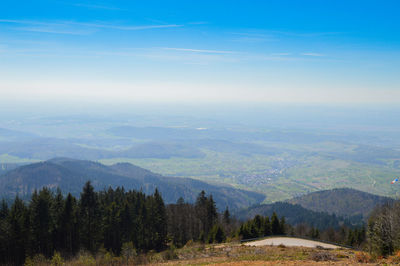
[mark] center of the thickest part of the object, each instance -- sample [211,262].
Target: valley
[280,164]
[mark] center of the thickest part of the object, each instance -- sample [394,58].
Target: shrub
[363,257]
[170,254]
[38,259]
[128,252]
[86,259]
[57,260]
[322,256]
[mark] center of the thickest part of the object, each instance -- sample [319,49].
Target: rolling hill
[345,202]
[70,175]
[294,215]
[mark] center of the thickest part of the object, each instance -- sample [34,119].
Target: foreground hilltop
[70,175]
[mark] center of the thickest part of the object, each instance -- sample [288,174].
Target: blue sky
[195,51]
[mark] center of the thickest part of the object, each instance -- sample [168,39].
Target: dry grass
[230,254]
[267,255]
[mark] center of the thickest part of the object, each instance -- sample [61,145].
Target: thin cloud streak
[304,34]
[312,54]
[97,6]
[55,31]
[280,54]
[199,50]
[68,27]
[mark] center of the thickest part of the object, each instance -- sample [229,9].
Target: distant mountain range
[328,208]
[295,215]
[322,209]
[344,202]
[70,175]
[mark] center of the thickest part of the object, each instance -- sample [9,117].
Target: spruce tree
[267,226]
[89,218]
[41,222]
[160,221]
[19,234]
[275,226]
[227,216]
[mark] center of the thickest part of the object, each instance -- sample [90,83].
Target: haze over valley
[280,151]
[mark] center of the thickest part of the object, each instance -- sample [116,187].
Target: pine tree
[267,226]
[216,234]
[3,209]
[201,213]
[41,222]
[275,226]
[56,220]
[111,228]
[282,225]
[212,214]
[4,232]
[160,221]
[19,233]
[89,218]
[70,226]
[227,216]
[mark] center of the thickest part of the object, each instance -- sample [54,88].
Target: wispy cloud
[303,34]
[253,37]
[280,54]
[312,54]
[92,6]
[79,28]
[200,51]
[198,23]
[55,30]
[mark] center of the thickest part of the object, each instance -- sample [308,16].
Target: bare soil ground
[239,254]
[290,242]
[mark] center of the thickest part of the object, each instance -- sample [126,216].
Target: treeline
[115,220]
[198,222]
[296,214]
[105,219]
[349,236]
[262,226]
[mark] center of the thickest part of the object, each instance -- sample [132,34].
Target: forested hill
[294,215]
[70,175]
[345,202]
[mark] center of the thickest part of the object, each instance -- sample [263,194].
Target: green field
[296,172]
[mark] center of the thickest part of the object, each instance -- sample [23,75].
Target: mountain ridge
[347,202]
[71,174]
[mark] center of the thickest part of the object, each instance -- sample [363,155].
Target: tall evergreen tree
[275,226]
[160,221]
[227,216]
[41,222]
[69,229]
[56,220]
[267,227]
[89,218]
[19,233]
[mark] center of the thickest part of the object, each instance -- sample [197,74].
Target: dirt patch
[290,242]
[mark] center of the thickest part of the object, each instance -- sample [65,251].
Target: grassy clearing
[220,254]
[268,255]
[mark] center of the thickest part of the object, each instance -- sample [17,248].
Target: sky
[310,51]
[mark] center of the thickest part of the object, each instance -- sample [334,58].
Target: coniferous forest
[105,219]
[119,221]
[110,219]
